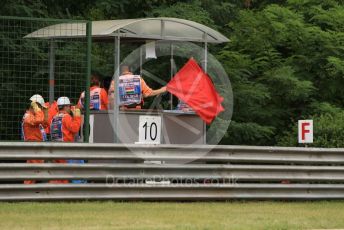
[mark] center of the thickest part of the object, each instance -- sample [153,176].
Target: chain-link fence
[39,56]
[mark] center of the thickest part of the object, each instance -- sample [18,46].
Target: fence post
[88,79]
[52,72]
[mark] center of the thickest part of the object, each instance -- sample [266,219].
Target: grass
[144,215]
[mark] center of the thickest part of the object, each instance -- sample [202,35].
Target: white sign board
[150,50]
[149,130]
[305,131]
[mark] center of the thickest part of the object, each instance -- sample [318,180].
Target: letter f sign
[305,131]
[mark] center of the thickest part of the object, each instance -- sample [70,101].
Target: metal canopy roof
[173,29]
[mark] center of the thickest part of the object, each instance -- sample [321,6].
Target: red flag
[193,86]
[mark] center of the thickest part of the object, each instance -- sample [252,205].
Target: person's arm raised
[158,91]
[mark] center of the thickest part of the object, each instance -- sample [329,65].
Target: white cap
[39,99]
[63,101]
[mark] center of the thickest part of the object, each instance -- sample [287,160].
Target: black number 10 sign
[150,129]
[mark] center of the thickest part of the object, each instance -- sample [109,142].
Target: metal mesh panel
[42,66]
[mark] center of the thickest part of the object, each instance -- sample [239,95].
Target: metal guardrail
[170,192]
[188,172]
[237,173]
[229,154]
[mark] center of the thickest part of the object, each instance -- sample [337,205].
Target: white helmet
[63,101]
[39,99]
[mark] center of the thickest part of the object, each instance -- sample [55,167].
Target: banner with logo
[129,88]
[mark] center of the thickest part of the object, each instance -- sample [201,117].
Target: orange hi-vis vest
[98,99]
[52,111]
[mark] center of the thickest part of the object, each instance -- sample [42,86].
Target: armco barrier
[225,172]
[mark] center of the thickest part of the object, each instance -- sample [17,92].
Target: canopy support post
[171,75]
[141,60]
[205,68]
[51,71]
[88,82]
[116,77]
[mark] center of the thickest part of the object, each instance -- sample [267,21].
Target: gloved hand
[76,112]
[35,107]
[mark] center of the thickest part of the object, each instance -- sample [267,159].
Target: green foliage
[328,131]
[248,133]
[23,8]
[192,11]
[291,51]
[285,60]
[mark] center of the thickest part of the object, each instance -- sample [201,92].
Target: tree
[285,59]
